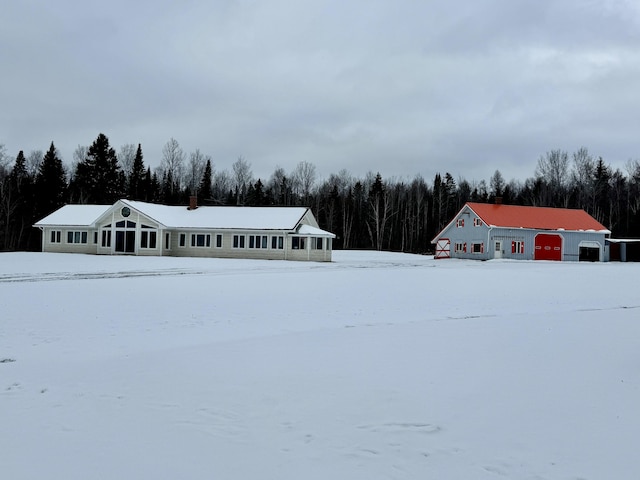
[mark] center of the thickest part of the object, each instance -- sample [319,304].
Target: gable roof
[238,218]
[74,216]
[538,218]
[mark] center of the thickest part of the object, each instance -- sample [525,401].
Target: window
[200,240]
[257,241]
[238,241]
[95,237]
[477,248]
[148,239]
[76,237]
[167,241]
[460,223]
[477,222]
[183,240]
[460,248]
[277,243]
[517,247]
[106,238]
[55,236]
[218,240]
[316,243]
[298,243]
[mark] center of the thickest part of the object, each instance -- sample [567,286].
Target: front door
[125,241]
[497,251]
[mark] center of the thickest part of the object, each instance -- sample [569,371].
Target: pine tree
[205,189]
[98,177]
[136,190]
[20,205]
[51,184]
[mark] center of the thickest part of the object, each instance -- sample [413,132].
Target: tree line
[365,213]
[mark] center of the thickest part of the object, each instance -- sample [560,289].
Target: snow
[248,218]
[374,366]
[309,230]
[74,215]
[259,218]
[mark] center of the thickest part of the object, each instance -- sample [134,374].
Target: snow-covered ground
[375,366]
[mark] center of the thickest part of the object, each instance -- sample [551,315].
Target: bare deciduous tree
[126,157]
[243,177]
[221,185]
[4,161]
[34,159]
[173,163]
[195,170]
[304,178]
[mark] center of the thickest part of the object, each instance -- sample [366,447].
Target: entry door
[497,251]
[125,241]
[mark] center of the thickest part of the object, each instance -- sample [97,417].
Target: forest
[367,212]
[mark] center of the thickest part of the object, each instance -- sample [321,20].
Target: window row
[202,240]
[476,222]
[78,237]
[148,239]
[517,247]
[476,247]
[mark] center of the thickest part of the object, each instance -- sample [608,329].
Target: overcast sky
[400,87]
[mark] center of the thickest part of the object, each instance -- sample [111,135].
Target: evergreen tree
[205,189]
[51,184]
[20,203]
[255,194]
[137,190]
[98,178]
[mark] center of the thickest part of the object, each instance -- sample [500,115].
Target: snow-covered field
[375,366]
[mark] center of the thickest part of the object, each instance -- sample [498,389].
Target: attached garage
[589,251]
[548,246]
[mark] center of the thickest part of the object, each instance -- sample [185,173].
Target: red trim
[443,248]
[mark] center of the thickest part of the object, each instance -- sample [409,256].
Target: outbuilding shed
[624,249]
[485,231]
[139,228]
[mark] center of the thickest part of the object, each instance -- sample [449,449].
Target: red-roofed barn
[487,231]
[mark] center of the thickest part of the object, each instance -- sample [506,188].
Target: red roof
[539,218]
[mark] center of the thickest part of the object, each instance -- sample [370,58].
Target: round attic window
[125,212]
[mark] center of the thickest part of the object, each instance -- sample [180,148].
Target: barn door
[548,247]
[443,248]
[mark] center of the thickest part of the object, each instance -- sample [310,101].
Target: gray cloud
[402,87]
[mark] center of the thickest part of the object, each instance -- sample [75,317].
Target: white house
[139,228]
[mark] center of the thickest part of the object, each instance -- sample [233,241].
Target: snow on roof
[74,215]
[309,230]
[239,218]
[539,218]
[251,218]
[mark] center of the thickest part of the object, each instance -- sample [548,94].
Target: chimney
[498,201]
[193,202]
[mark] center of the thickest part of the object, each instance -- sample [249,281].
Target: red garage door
[548,247]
